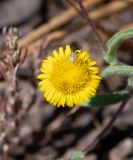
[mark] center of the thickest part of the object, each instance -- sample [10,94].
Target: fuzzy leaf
[118,69]
[130,82]
[105,99]
[114,43]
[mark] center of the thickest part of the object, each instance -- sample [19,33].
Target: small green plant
[115,67]
[78,155]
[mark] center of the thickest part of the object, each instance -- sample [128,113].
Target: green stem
[118,69]
[114,43]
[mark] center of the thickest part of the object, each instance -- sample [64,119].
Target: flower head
[68,78]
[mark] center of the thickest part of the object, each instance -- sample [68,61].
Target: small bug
[74,55]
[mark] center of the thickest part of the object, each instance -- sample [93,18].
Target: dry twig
[34,38]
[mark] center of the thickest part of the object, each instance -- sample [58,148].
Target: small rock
[121,150]
[13,12]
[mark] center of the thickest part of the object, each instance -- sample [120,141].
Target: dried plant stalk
[50,38]
[54,23]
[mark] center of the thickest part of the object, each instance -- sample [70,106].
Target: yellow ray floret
[68,78]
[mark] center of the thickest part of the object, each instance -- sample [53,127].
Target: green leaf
[118,69]
[105,99]
[114,43]
[77,155]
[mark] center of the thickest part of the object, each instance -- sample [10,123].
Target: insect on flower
[74,55]
[68,78]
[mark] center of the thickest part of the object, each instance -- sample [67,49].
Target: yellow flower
[68,78]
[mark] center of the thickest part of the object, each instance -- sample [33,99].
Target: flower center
[69,77]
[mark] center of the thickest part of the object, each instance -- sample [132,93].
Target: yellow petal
[56,55]
[68,50]
[61,52]
[58,96]
[62,101]
[50,95]
[94,76]
[41,76]
[91,63]
[69,101]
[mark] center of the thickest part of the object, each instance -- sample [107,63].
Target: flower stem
[107,127]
